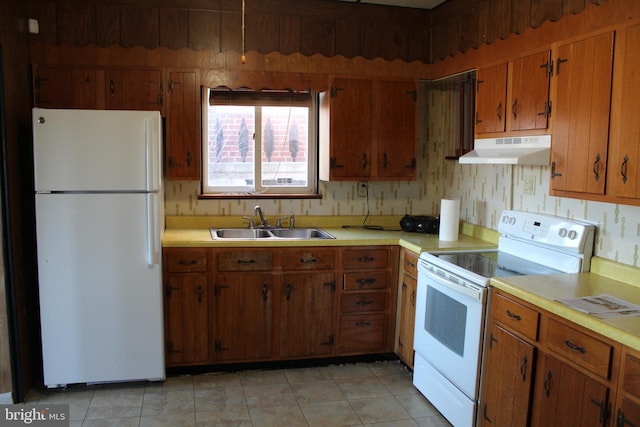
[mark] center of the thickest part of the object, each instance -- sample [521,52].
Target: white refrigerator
[99,224]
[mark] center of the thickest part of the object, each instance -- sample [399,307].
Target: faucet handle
[279,221]
[251,220]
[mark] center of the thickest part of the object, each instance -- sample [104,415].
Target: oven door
[449,327]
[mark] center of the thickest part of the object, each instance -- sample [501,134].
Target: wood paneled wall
[325,27]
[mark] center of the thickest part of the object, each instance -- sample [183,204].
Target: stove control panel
[562,233]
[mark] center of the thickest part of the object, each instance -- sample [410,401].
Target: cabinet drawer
[515,316]
[186,260]
[410,263]
[585,350]
[245,260]
[363,301]
[360,281]
[365,258]
[309,259]
[361,333]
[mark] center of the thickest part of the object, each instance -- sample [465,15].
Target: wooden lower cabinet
[507,396]
[541,370]
[407,305]
[627,413]
[237,305]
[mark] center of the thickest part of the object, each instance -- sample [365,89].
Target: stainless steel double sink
[269,233]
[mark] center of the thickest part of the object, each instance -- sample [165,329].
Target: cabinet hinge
[332,284]
[218,346]
[217,288]
[414,94]
[171,350]
[330,341]
[334,91]
[478,85]
[548,66]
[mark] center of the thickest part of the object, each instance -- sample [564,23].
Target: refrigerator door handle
[151,222]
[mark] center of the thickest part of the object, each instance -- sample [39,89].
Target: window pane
[231,148]
[284,146]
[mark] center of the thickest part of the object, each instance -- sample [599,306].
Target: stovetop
[494,264]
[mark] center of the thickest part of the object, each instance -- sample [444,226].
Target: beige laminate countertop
[355,236]
[543,291]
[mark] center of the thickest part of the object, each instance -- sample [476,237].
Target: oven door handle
[468,289]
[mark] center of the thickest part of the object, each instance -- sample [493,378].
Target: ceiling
[418,4]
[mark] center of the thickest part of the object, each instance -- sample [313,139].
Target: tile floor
[363,394]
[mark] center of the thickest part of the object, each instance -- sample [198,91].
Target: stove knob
[562,232]
[573,234]
[505,219]
[512,220]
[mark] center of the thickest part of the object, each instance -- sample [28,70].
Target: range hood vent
[525,150]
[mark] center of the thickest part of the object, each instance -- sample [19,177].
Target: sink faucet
[258,211]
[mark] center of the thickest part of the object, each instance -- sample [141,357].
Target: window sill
[258,196]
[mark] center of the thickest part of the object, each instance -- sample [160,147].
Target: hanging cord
[363,225]
[244,57]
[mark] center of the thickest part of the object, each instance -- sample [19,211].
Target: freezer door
[100,300]
[92,150]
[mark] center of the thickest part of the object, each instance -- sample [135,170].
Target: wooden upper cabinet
[368,130]
[491,93]
[183,126]
[583,71]
[397,129]
[131,89]
[350,128]
[529,92]
[65,87]
[624,165]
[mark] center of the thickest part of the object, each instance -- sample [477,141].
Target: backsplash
[484,190]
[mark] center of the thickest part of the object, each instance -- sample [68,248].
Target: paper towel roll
[449,219]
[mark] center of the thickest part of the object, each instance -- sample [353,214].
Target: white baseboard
[6,398]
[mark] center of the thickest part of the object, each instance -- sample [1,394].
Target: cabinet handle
[499,111]
[366,259]
[623,168]
[547,384]
[523,369]
[288,291]
[558,62]
[514,109]
[411,264]
[265,291]
[363,302]
[364,160]
[412,298]
[363,324]
[367,282]
[187,263]
[553,170]
[575,347]
[311,260]
[112,87]
[189,158]
[596,167]
[513,315]
[199,293]
[246,262]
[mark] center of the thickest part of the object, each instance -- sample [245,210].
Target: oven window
[445,320]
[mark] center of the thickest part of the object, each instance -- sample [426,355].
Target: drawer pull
[575,347]
[411,264]
[187,263]
[513,315]
[311,260]
[246,262]
[363,324]
[366,259]
[362,302]
[367,282]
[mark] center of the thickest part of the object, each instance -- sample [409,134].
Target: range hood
[521,150]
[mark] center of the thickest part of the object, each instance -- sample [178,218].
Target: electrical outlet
[363,188]
[529,184]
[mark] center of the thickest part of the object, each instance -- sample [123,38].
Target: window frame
[260,99]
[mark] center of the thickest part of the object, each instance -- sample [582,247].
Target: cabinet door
[625,126]
[186,319]
[566,397]
[244,316]
[62,87]
[529,100]
[351,135]
[581,115]
[128,89]
[407,318]
[491,94]
[508,379]
[183,126]
[628,407]
[306,310]
[396,129]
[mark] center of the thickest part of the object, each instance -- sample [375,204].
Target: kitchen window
[259,142]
